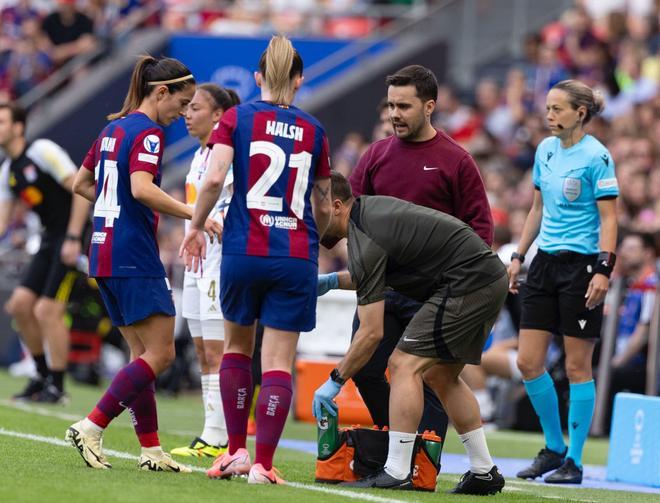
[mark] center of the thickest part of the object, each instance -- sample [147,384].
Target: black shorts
[46,271]
[553,295]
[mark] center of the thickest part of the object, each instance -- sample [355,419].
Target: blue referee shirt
[571,180]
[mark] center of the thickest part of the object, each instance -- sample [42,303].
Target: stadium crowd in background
[501,121]
[39,36]
[611,46]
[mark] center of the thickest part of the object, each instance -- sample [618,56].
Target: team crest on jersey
[152,144]
[572,188]
[30,173]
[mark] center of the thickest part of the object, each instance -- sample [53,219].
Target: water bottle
[433,445]
[82,264]
[327,433]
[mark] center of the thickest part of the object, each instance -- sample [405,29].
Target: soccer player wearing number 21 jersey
[121,176]
[280,206]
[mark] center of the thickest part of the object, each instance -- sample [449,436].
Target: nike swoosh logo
[429,169]
[272,481]
[405,441]
[405,339]
[487,477]
[224,467]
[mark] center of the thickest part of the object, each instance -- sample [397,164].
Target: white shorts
[201,298]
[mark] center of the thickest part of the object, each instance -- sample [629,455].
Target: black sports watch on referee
[334,376]
[516,255]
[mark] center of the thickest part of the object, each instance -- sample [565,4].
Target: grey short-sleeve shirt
[415,251]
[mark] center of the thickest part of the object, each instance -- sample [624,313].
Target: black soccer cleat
[381,480]
[544,462]
[480,484]
[568,473]
[50,394]
[32,389]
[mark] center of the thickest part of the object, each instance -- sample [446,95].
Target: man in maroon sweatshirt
[422,165]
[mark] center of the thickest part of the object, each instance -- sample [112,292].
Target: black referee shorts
[553,295]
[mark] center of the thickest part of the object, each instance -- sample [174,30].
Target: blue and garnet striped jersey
[279,151]
[124,240]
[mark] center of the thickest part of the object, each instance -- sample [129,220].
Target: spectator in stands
[69,31]
[383,127]
[574,217]
[637,255]
[458,120]
[28,63]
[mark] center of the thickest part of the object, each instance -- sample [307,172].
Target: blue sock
[580,412]
[542,394]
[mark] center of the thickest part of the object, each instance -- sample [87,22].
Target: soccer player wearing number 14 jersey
[121,175]
[280,206]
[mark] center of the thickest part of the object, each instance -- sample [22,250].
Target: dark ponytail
[148,73]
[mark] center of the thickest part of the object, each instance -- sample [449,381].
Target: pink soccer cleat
[227,465]
[259,475]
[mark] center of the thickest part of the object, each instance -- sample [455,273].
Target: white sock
[205,393]
[215,428]
[399,454]
[477,450]
[90,427]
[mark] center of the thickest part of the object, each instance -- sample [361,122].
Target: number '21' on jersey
[278,152]
[124,239]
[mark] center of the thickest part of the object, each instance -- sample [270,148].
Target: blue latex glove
[327,282]
[324,396]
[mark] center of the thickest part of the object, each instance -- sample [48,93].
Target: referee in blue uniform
[573,218]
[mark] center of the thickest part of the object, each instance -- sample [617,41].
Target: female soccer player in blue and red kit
[281,205]
[121,176]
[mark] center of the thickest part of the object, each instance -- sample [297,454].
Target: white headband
[171,81]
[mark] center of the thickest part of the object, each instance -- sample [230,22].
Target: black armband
[605,263]
[72,237]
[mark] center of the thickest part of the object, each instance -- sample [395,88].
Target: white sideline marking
[49,412]
[345,493]
[41,411]
[126,455]
[523,487]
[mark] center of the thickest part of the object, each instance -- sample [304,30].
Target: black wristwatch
[334,376]
[516,255]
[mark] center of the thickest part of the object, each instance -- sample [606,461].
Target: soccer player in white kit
[201,289]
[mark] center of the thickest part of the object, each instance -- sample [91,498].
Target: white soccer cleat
[88,444]
[160,462]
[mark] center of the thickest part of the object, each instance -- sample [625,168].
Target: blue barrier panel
[634,455]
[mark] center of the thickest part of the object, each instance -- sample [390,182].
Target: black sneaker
[568,473]
[50,394]
[545,461]
[33,388]
[480,484]
[381,480]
